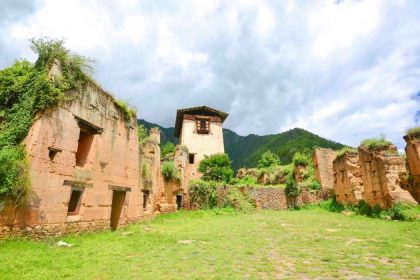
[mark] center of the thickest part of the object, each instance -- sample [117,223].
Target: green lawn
[227,245]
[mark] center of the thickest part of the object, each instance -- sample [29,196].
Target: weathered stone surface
[300,172]
[63,158]
[412,150]
[383,172]
[323,165]
[348,183]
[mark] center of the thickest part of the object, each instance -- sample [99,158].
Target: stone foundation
[348,184]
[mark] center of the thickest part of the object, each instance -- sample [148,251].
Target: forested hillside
[244,151]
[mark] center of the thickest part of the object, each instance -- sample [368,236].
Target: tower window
[203,126]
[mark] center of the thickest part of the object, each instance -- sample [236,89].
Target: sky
[345,70]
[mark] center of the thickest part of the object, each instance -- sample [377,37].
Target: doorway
[118,198]
[179,199]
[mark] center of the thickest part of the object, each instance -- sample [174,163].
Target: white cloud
[345,71]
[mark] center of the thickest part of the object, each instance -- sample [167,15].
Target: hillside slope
[244,151]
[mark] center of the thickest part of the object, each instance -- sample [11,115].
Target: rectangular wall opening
[74,203]
[83,148]
[179,199]
[118,198]
[191,158]
[145,199]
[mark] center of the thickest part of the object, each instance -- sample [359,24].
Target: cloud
[345,71]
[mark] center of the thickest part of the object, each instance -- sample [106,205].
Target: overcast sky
[345,70]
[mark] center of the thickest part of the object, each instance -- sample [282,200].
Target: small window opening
[74,202]
[85,143]
[179,199]
[203,126]
[52,154]
[145,199]
[191,158]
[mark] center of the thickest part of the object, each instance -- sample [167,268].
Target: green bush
[203,194]
[301,159]
[168,151]
[14,175]
[375,144]
[142,133]
[170,172]
[413,132]
[217,168]
[268,159]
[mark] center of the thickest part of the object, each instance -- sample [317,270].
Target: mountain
[244,151]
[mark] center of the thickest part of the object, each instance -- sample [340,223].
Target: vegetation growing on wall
[308,180]
[344,151]
[413,132]
[376,143]
[170,172]
[27,89]
[217,168]
[168,151]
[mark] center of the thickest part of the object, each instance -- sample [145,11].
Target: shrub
[413,132]
[203,194]
[129,111]
[142,133]
[170,172]
[14,175]
[268,159]
[344,151]
[217,168]
[168,150]
[375,144]
[301,159]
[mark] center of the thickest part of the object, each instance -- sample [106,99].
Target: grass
[414,132]
[375,144]
[223,244]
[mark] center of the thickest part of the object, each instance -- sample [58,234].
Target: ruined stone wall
[273,198]
[382,173]
[150,159]
[300,172]
[412,150]
[348,184]
[110,162]
[323,165]
[171,189]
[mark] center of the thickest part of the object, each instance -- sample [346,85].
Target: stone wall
[87,146]
[274,198]
[323,165]
[348,184]
[383,172]
[151,184]
[412,149]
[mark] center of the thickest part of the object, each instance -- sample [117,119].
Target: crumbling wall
[383,172]
[300,172]
[110,163]
[348,183]
[323,165]
[412,150]
[175,193]
[151,184]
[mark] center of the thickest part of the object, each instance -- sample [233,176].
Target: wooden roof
[201,110]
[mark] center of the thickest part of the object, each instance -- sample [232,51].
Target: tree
[268,159]
[142,132]
[217,167]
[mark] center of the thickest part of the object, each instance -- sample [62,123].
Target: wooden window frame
[198,123]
